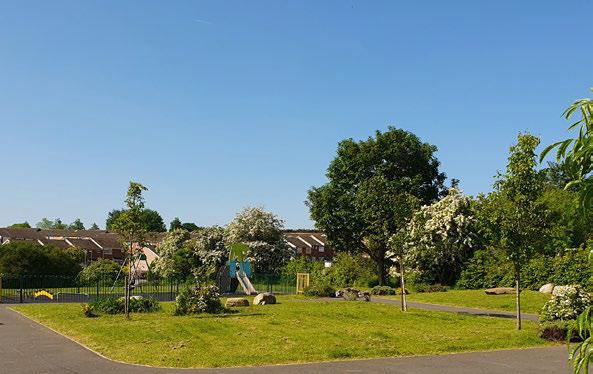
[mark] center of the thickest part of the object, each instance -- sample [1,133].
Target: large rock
[352,294]
[264,299]
[500,291]
[236,301]
[547,288]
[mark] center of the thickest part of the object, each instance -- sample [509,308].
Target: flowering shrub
[202,299]
[439,238]
[262,232]
[567,304]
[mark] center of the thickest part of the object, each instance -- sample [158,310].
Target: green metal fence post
[98,283]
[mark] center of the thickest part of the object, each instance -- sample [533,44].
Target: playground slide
[246,284]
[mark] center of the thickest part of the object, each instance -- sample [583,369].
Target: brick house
[309,243]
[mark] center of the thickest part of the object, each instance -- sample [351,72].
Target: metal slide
[246,284]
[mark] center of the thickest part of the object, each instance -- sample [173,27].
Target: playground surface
[29,347]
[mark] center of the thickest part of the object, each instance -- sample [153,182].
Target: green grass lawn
[287,332]
[531,301]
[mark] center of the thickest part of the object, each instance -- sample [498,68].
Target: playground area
[48,289]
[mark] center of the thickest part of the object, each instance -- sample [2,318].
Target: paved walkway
[456,309]
[27,347]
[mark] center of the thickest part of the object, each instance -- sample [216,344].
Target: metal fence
[47,289]
[39,289]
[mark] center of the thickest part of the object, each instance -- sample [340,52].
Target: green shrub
[488,268]
[201,299]
[318,290]
[423,287]
[383,290]
[100,270]
[349,270]
[27,257]
[112,305]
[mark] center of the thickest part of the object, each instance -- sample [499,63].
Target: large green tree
[151,220]
[46,224]
[27,257]
[76,225]
[514,215]
[373,188]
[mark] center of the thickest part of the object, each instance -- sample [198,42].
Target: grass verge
[289,332]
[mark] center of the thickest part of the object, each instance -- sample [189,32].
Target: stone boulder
[547,288]
[264,299]
[500,291]
[236,301]
[352,294]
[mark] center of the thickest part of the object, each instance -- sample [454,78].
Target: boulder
[236,301]
[264,299]
[547,288]
[500,291]
[352,294]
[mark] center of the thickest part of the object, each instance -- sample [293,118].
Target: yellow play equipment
[302,281]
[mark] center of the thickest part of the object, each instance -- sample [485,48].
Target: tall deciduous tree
[76,225]
[517,216]
[132,231]
[46,224]
[373,188]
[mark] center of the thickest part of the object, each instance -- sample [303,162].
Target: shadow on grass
[497,315]
[231,315]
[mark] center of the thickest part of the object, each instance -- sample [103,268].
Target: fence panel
[46,289]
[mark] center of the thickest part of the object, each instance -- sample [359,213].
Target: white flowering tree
[439,238]
[198,254]
[262,232]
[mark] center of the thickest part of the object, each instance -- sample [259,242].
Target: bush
[27,257]
[383,290]
[423,287]
[489,268]
[100,270]
[350,270]
[201,299]
[565,305]
[318,290]
[111,305]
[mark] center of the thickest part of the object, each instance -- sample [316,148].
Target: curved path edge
[31,348]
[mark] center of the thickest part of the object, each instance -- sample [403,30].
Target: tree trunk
[127,297]
[403,285]
[381,271]
[518,296]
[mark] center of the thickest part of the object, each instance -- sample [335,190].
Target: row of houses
[106,244]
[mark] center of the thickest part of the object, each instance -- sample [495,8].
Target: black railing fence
[40,289]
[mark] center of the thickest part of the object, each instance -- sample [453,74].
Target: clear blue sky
[216,105]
